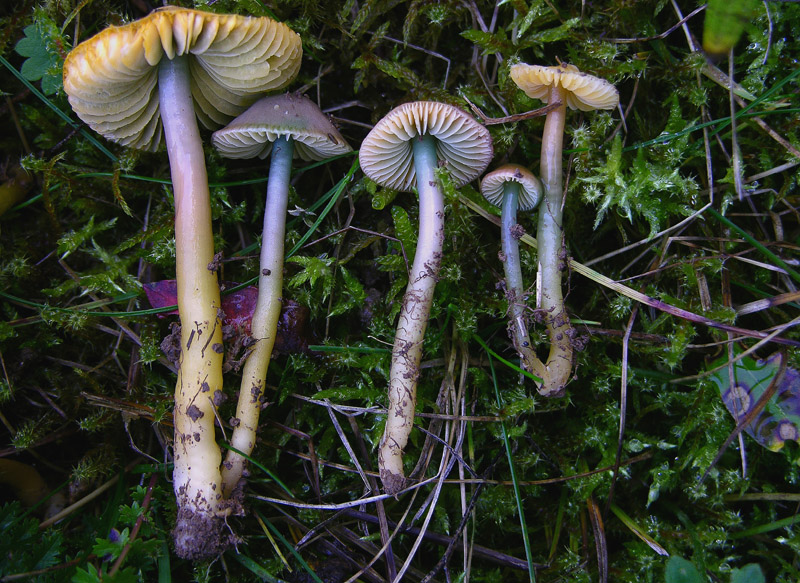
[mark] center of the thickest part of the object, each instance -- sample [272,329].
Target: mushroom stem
[515,289]
[196,476]
[267,312]
[550,244]
[417,301]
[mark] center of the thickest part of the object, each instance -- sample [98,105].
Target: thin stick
[512,118]
[623,404]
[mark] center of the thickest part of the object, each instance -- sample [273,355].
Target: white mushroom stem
[196,476]
[417,301]
[550,244]
[264,325]
[515,289]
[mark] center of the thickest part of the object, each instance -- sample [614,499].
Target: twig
[623,404]
[664,34]
[512,118]
[649,240]
[633,294]
[488,554]
[349,448]
[778,330]
[341,505]
[86,499]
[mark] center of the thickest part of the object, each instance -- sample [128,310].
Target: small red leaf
[238,306]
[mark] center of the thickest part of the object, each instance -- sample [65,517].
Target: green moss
[110,224]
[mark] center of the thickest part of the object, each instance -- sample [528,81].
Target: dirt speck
[171,345]
[517,231]
[215,263]
[194,413]
[219,398]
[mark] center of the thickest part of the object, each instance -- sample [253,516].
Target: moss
[97,226]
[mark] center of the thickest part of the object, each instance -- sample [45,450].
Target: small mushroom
[284,125]
[567,86]
[402,151]
[166,70]
[29,486]
[12,190]
[512,187]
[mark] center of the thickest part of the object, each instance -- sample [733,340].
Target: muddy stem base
[200,536]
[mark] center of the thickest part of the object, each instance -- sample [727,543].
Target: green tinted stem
[264,325]
[196,477]
[515,289]
[550,244]
[417,301]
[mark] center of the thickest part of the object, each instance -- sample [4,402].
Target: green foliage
[650,188]
[43,61]
[725,22]
[73,378]
[22,546]
[679,570]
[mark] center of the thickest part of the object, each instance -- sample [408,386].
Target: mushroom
[19,181]
[403,150]
[127,83]
[24,480]
[283,125]
[512,187]
[565,85]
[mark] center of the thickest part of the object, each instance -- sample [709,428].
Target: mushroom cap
[111,78]
[386,153]
[290,115]
[585,92]
[530,191]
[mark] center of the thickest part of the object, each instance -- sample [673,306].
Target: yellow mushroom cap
[583,91]
[290,115]
[110,79]
[530,191]
[464,144]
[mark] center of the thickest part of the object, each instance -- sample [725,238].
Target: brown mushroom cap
[111,78]
[530,191]
[583,91]
[464,144]
[288,115]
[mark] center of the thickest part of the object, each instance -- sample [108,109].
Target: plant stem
[266,315]
[514,481]
[196,477]
[550,242]
[515,289]
[417,301]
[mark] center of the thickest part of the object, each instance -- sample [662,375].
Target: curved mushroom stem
[417,301]
[515,290]
[264,325]
[550,243]
[196,477]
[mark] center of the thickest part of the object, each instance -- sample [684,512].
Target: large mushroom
[402,152]
[166,70]
[284,125]
[513,187]
[567,86]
